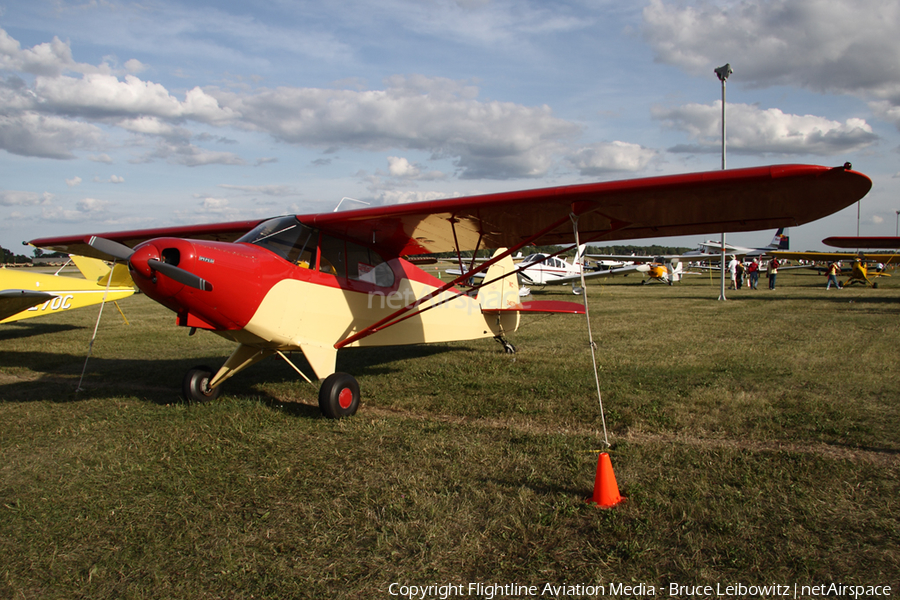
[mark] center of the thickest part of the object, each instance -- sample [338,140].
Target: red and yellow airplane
[322,282]
[858,271]
[25,294]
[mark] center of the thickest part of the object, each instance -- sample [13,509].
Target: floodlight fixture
[723,72]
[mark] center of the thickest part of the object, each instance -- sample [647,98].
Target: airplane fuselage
[312,298]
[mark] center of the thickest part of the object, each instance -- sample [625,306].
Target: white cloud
[190,156]
[754,130]
[611,157]
[100,95]
[135,66]
[265,190]
[407,196]
[19,198]
[91,205]
[401,168]
[46,136]
[73,182]
[48,59]
[485,139]
[823,45]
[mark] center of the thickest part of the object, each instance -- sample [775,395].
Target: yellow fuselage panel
[296,312]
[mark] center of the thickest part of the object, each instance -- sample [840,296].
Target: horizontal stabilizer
[15,301]
[542,306]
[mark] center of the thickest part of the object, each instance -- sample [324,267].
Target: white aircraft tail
[781,241]
[499,292]
[675,271]
[579,257]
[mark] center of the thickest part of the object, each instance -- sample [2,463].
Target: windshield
[288,238]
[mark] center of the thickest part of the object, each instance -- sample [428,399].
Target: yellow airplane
[859,271]
[25,294]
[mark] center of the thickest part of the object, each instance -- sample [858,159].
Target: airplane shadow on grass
[19,330]
[51,377]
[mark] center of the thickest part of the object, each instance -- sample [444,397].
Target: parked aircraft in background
[859,270]
[541,269]
[322,282]
[781,241]
[25,294]
[669,269]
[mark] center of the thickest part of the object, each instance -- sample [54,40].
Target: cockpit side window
[364,264]
[353,261]
[288,238]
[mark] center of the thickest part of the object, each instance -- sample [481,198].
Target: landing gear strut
[507,347]
[195,387]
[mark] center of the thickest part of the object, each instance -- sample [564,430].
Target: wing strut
[394,317]
[462,269]
[413,310]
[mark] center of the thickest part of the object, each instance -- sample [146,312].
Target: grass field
[756,441]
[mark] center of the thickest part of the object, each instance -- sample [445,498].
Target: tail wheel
[195,387]
[339,396]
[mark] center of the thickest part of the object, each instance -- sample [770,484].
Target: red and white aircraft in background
[322,282]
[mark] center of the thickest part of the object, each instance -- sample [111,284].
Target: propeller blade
[180,275]
[114,249]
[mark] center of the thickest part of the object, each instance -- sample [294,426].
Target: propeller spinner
[124,253]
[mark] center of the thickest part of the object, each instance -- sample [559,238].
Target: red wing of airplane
[321,282]
[882,242]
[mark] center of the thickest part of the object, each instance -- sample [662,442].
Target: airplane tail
[675,271]
[98,271]
[501,290]
[579,257]
[781,241]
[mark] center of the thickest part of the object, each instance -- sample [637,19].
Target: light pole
[897,229]
[722,73]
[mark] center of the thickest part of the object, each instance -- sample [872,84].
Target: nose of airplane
[213,285]
[140,259]
[163,267]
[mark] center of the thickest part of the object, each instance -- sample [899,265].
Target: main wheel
[195,387]
[339,396]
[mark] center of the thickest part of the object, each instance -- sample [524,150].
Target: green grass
[756,441]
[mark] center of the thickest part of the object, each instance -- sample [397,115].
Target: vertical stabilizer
[675,271]
[781,241]
[501,289]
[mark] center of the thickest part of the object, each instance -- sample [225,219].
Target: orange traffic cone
[606,491]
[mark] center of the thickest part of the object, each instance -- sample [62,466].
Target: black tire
[339,396]
[195,387]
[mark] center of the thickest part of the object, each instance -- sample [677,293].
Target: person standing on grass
[833,269]
[739,275]
[771,272]
[732,268]
[753,274]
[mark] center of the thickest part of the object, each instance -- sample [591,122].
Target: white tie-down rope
[96,326]
[587,315]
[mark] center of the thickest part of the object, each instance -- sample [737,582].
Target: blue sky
[121,115]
